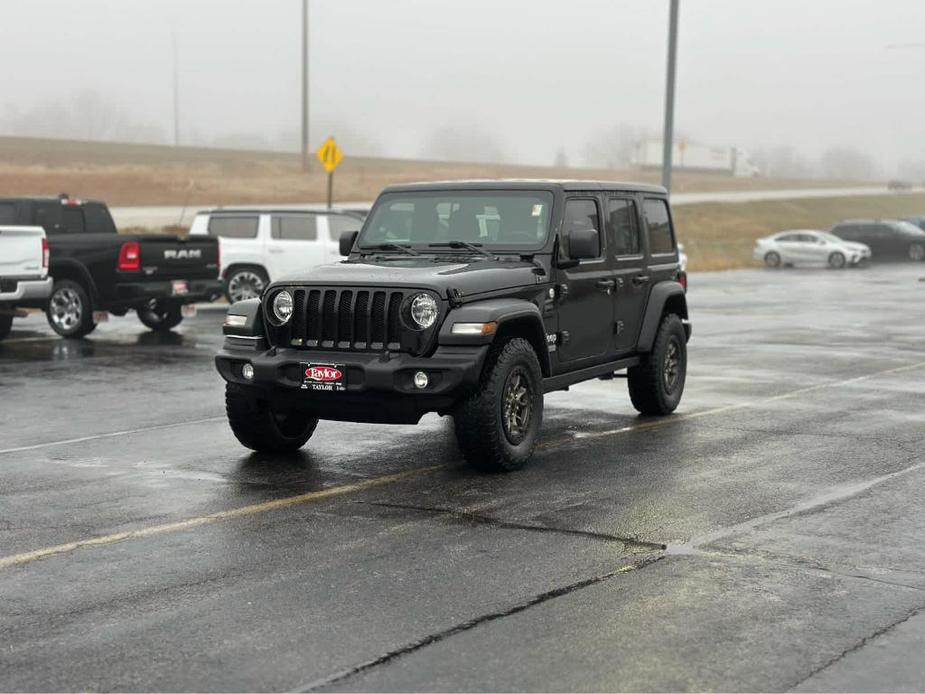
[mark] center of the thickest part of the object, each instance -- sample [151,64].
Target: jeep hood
[469,275]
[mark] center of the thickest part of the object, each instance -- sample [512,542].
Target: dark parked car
[919,221]
[887,238]
[94,268]
[469,299]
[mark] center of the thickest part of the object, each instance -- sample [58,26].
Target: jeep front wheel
[657,383]
[497,427]
[261,426]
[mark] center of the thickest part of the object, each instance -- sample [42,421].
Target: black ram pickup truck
[469,299]
[96,269]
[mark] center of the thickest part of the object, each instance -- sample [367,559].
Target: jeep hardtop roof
[553,185]
[278,210]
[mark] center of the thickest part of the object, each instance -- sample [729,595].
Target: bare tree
[561,160]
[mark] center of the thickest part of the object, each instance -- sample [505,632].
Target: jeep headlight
[423,310]
[282,306]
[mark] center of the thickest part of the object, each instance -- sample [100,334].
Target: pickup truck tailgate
[21,251]
[173,257]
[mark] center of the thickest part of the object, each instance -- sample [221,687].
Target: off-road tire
[259,427]
[161,317]
[837,260]
[82,313]
[650,389]
[479,421]
[917,252]
[772,259]
[6,325]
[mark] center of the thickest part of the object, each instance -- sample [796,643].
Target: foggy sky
[535,74]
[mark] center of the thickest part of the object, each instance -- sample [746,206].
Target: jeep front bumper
[379,385]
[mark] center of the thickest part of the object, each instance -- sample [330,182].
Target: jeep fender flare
[665,296]
[253,323]
[513,316]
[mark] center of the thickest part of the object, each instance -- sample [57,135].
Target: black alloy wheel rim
[671,371]
[516,406]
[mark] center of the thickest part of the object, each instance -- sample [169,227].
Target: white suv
[260,246]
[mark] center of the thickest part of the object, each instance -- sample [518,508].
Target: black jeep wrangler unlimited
[469,299]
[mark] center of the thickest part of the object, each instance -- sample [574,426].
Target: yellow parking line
[35,555]
[151,530]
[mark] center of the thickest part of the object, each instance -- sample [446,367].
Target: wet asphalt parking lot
[769,536]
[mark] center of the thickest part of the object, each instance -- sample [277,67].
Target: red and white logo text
[322,374]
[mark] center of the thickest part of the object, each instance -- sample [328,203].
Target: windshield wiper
[474,247]
[395,247]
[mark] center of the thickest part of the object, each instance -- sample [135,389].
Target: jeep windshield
[457,220]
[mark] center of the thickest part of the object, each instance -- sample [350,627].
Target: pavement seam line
[240,512]
[857,646]
[444,634]
[511,525]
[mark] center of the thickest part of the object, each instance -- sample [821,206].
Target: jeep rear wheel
[261,426]
[657,383]
[498,426]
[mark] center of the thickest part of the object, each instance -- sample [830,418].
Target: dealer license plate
[330,378]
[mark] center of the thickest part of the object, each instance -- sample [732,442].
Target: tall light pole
[668,134]
[176,87]
[304,85]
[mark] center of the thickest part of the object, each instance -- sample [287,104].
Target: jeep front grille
[344,319]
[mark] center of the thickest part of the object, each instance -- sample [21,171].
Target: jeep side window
[294,227]
[581,213]
[658,224]
[622,227]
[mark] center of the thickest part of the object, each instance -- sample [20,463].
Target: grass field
[132,174]
[721,236]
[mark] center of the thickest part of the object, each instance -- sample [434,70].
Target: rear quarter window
[234,227]
[658,224]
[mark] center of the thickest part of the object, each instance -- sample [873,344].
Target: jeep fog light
[248,372]
[474,328]
[421,380]
[282,306]
[423,310]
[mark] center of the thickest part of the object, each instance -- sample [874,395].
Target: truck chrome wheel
[517,406]
[65,309]
[245,284]
[671,371]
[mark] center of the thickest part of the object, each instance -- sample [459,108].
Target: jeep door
[586,304]
[627,255]
[660,243]
[296,243]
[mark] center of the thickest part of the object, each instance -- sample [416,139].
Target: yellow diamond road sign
[330,155]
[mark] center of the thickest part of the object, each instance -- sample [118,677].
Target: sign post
[330,155]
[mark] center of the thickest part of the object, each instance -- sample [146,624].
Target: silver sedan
[809,247]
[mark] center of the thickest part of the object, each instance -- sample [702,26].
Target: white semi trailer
[687,156]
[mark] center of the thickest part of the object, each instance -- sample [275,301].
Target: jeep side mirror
[584,244]
[347,239]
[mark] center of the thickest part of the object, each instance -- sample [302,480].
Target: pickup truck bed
[95,269]
[23,271]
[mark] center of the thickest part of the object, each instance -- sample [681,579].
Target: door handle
[276,250]
[640,279]
[606,285]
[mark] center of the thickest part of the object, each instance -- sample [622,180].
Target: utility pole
[176,87]
[668,134]
[304,85]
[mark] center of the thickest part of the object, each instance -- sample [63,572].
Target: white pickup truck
[23,271]
[260,246]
